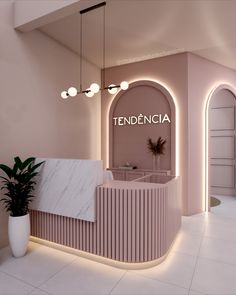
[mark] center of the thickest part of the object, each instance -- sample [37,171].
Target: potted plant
[17,186]
[157,149]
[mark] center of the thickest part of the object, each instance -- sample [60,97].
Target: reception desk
[135,222]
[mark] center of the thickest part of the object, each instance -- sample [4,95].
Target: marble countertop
[67,187]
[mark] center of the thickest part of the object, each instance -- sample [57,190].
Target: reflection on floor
[202,261]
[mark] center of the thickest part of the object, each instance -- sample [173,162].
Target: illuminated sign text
[141,120]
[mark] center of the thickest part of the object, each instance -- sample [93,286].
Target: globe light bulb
[112,90]
[64,95]
[124,85]
[72,91]
[89,93]
[94,87]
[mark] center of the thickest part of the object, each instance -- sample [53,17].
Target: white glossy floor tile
[12,286]
[187,243]
[194,224]
[213,277]
[226,232]
[134,284]
[203,258]
[220,250]
[37,291]
[6,255]
[195,293]
[221,220]
[38,265]
[84,277]
[177,269]
[227,207]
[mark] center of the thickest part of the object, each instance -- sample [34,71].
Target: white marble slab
[67,187]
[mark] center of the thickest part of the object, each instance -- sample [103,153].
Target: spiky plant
[158,147]
[18,185]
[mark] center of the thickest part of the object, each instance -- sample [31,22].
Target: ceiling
[143,29]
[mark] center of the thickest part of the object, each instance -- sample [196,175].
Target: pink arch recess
[173,118]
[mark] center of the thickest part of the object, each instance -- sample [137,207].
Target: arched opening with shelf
[220,143]
[145,110]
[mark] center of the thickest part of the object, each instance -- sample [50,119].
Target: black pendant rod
[81,52]
[103,78]
[92,7]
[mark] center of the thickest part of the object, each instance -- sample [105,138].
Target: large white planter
[18,233]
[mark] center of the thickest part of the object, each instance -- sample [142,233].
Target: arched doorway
[221,130]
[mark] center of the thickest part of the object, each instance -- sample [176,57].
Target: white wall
[31,14]
[34,120]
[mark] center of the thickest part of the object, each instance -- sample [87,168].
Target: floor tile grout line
[204,235]
[45,291]
[217,261]
[200,292]
[197,257]
[221,239]
[38,286]
[67,265]
[117,282]
[12,258]
[183,253]
[18,279]
[30,293]
[157,280]
[190,231]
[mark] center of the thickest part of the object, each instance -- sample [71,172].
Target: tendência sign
[141,120]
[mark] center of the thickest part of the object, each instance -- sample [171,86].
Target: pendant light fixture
[94,87]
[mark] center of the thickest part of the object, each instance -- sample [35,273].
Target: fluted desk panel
[136,221]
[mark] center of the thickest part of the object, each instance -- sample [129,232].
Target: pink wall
[203,77]
[191,79]
[170,72]
[34,120]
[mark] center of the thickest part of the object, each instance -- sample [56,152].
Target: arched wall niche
[222,102]
[129,143]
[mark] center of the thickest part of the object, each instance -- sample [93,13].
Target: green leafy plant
[18,185]
[158,147]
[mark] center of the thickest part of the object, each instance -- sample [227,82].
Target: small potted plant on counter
[17,186]
[157,149]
